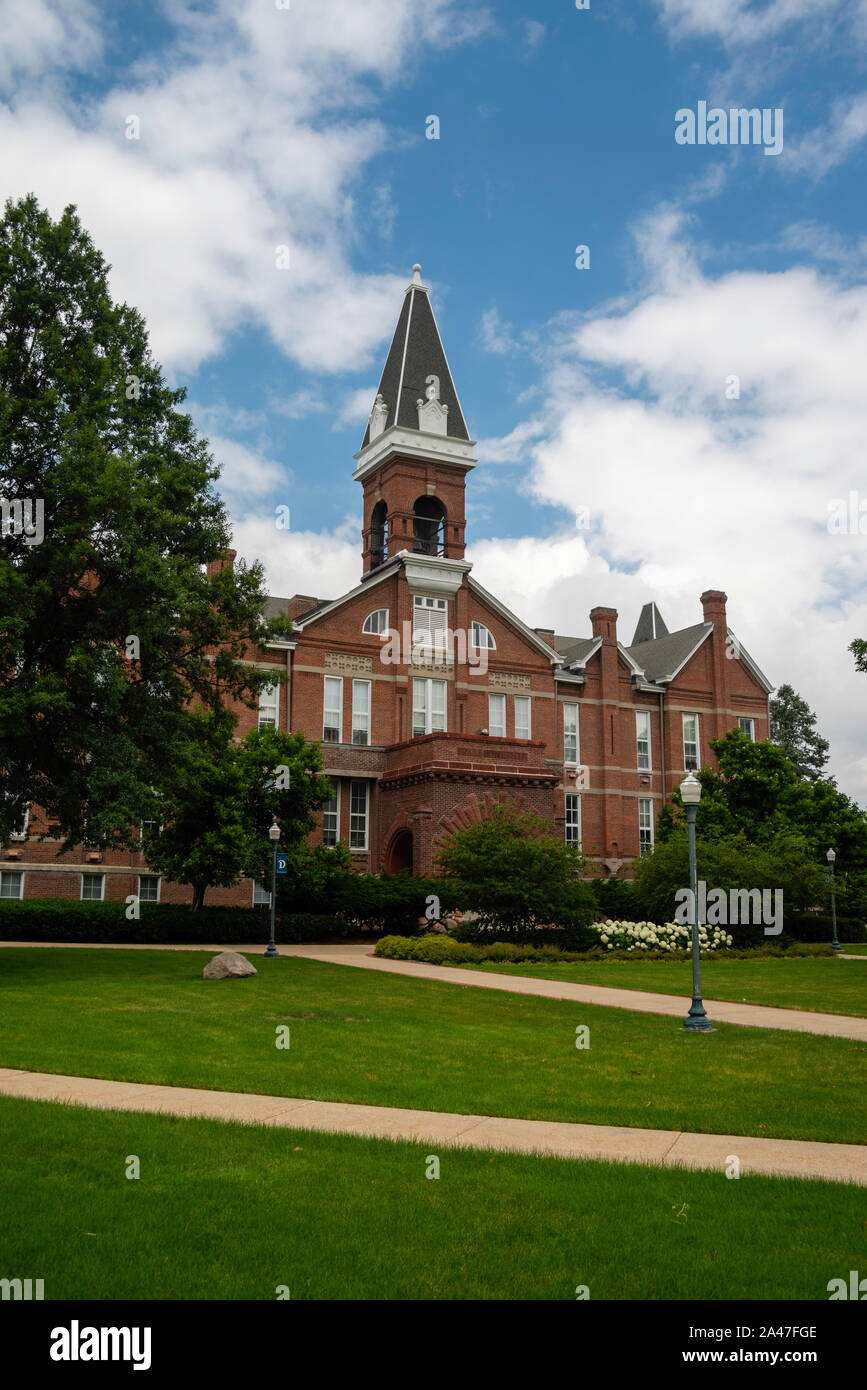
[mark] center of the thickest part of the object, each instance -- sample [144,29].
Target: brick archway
[474,808]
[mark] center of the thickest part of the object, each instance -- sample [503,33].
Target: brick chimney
[546,634]
[226,560]
[604,623]
[713,603]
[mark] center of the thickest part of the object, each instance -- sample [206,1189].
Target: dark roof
[573,649]
[650,625]
[416,353]
[665,655]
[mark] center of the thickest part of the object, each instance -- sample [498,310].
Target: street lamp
[696,1020]
[273,836]
[831,857]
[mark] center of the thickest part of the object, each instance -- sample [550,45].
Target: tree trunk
[199,895]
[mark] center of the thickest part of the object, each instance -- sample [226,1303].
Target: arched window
[482,637]
[428,527]
[379,535]
[376,622]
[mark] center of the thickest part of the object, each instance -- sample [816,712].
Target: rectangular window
[522,716]
[570,733]
[150,827]
[690,741]
[642,735]
[148,888]
[11,884]
[428,707]
[19,830]
[269,706]
[331,819]
[497,716]
[92,887]
[748,727]
[645,826]
[430,628]
[358,815]
[332,719]
[361,712]
[573,819]
[261,896]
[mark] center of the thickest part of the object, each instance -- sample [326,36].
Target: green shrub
[445,950]
[817,927]
[55,919]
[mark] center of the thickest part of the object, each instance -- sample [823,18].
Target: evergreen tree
[109,624]
[793,729]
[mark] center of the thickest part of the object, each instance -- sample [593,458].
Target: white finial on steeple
[416,275]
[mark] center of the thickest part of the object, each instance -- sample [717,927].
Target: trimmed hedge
[445,950]
[818,927]
[55,919]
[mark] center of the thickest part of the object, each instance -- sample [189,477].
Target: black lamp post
[273,836]
[831,857]
[696,1020]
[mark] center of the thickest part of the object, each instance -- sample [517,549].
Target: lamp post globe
[274,837]
[831,858]
[696,1020]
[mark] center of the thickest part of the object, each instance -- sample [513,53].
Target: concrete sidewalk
[668,1148]
[360,954]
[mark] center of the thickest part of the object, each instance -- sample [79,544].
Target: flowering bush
[647,936]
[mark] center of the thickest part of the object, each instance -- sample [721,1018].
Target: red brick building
[432,699]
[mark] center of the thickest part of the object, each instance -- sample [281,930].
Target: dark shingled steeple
[416,353]
[650,625]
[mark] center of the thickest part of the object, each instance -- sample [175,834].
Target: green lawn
[385,1039]
[232,1212]
[819,984]
[856,948]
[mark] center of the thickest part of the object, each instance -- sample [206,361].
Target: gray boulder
[228,965]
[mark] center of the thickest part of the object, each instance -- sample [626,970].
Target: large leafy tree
[110,625]
[223,795]
[858,648]
[793,729]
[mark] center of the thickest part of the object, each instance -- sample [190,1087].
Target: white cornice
[433,574]
[397,442]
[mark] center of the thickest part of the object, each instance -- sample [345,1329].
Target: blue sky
[603,388]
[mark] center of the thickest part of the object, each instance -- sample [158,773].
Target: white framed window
[748,727]
[690,742]
[358,799]
[148,888]
[497,716]
[482,637]
[642,738]
[332,716]
[11,883]
[19,831]
[92,888]
[376,622]
[522,716]
[570,733]
[261,896]
[645,825]
[331,818]
[428,707]
[269,706]
[150,827]
[430,627]
[361,712]
[573,818]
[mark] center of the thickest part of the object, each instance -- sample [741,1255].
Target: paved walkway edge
[668,1148]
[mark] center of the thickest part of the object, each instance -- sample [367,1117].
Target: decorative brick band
[350,665]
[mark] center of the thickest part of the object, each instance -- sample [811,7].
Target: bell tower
[416,450]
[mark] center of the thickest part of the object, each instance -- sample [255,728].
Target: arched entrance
[400,853]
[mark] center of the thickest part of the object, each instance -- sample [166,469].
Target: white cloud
[687,490]
[356,408]
[39,35]
[323,564]
[738,21]
[255,128]
[246,474]
[534,36]
[822,150]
